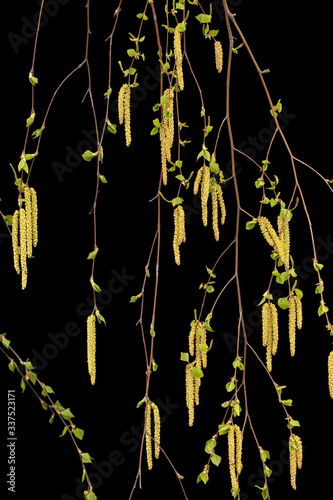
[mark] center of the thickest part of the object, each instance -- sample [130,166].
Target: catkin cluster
[179,235]
[178,57]
[270,331]
[124,110]
[24,233]
[295,457]
[157,433]
[198,348]
[330,373]
[218,56]
[295,320]
[203,178]
[235,445]
[276,241]
[166,131]
[91,347]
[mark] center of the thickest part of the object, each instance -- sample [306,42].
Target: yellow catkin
[149,449]
[293,461]
[239,448]
[205,182]
[218,56]
[189,393]
[220,199]
[203,340]
[269,350]
[164,154]
[91,347]
[284,234]
[275,327]
[15,241]
[23,248]
[178,57]
[28,218]
[299,451]
[127,115]
[299,313]
[121,96]
[192,337]
[34,216]
[197,181]
[330,373]
[206,472]
[292,324]
[157,429]
[266,323]
[181,219]
[215,215]
[231,456]
[168,121]
[197,380]
[272,238]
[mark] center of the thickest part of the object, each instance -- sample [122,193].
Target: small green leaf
[322,309]
[287,402]
[22,384]
[250,224]
[204,18]
[177,201]
[112,127]
[90,496]
[30,120]
[230,385]
[131,52]
[259,183]
[108,93]
[89,155]
[224,429]
[210,446]
[67,414]
[92,254]
[210,289]
[197,372]
[237,410]
[103,179]
[100,318]
[264,455]
[216,459]
[23,166]
[293,423]
[79,433]
[63,432]
[12,365]
[32,79]
[36,133]
[95,287]
[184,356]
[152,332]
[317,266]
[202,477]
[283,302]
[86,458]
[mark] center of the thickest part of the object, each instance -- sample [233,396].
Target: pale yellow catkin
[284,234]
[220,199]
[164,155]
[15,241]
[205,182]
[266,323]
[178,57]
[192,337]
[239,448]
[91,347]
[215,215]
[23,248]
[197,181]
[299,313]
[275,327]
[34,216]
[330,373]
[189,385]
[168,121]
[292,324]
[231,456]
[121,96]
[299,451]
[28,217]
[272,238]
[292,461]
[127,115]
[218,56]
[149,449]
[157,429]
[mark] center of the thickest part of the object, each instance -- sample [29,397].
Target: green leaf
[210,289]
[237,410]
[112,127]
[204,18]
[86,458]
[131,52]
[23,166]
[250,224]
[30,120]
[184,356]
[322,309]
[67,414]
[238,364]
[63,432]
[22,384]
[5,342]
[95,287]
[89,155]
[264,455]
[181,27]
[197,372]
[259,183]
[100,318]
[216,459]
[177,201]
[32,79]
[108,93]
[36,133]
[317,266]
[103,179]
[92,254]
[224,429]
[12,365]
[230,385]
[287,402]
[152,332]
[293,423]
[202,477]
[90,496]
[210,446]
[283,302]
[79,433]
[279,388]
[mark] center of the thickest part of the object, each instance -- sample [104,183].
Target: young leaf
[283,302]
[64,431]
[67,414]
[86,458]
[216,459]
[250,224]
[89,155]
[184,356]
[79,433]
[92,254]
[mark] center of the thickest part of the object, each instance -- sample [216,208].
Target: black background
[46,322]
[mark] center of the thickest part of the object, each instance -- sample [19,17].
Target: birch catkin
[15,241]
[91,347]
[149,450]
[330,373]
[189,385]
[218,56]
[127,115]
[23,248]
[34,217]
[28,213]
[157,429]
[179,235]
[178,57]
[231,456]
